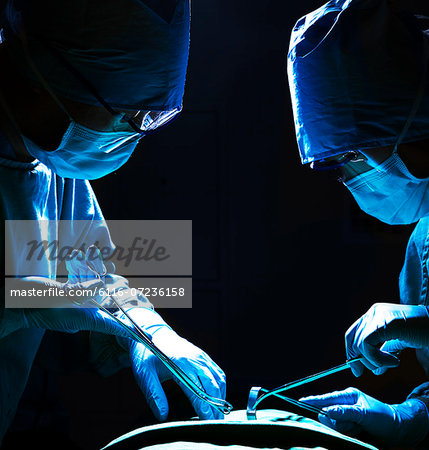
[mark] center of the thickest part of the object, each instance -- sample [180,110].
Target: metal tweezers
[257,394]
[136,333]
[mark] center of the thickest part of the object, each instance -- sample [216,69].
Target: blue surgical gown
[31,191]
[414,288]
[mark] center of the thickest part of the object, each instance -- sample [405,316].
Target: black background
[283,260]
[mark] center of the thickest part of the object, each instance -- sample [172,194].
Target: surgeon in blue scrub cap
[82,81]
[359,81]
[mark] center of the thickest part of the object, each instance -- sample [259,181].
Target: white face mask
[391,193]
[86,154]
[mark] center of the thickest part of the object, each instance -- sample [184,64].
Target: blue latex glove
[79,272]
[106,356]
[60,313]
[394,325]
[78,268]
[150,372]
[351,411]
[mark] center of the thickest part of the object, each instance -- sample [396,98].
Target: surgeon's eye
[338,161]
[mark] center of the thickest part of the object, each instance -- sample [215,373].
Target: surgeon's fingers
[346,397]
[74,265]
[375,355]
[344,419]
[376,358]
[350,413]
[218,386]
[383,360]
[84,272]
[94,260]
[148,381]
[357,368]
[110,266]
[380,371]
[204,378]
[395,346]
[353,351]
[218,374]
[366,347]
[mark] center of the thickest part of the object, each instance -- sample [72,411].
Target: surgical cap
[355,70]
[133,52]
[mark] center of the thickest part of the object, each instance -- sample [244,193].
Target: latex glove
[395,346]
[406,325]
[78,269]
[149,372]
[59,313]
[62,313]
[106,356]
[351,411]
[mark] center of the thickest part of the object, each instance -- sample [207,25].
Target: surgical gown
[414,288]
[31,191]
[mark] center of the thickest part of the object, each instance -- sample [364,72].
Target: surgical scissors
[255,398]
[144,338]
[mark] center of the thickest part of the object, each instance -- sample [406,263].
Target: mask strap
[418,97]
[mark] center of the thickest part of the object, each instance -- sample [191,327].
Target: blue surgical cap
[355,69]
[133,52]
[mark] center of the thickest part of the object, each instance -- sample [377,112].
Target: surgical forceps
[255,398]
[144,338]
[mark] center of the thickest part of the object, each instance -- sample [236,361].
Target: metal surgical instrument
[255,398]
[144,338]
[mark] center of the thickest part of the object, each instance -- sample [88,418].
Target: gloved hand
[399,326]
[351,411]
[60,313]
[106,356]
[79,272]
[149,372]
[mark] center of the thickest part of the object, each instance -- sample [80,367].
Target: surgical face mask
[391,193]
[86,154]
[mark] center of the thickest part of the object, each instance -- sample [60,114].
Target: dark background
[283,260]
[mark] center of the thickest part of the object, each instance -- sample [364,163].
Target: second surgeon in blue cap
[358,75]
